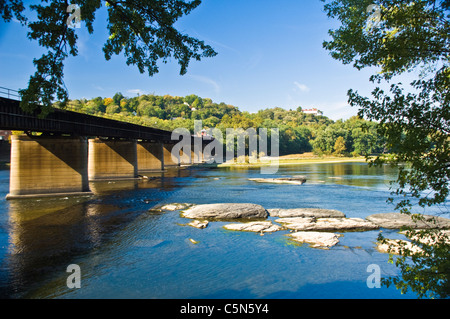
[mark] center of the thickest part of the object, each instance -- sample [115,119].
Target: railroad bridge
[74,149]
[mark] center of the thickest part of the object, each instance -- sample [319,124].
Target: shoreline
[297,161]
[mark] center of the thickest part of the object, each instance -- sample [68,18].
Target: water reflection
[126,251]
[350,174]
[150,180]
[48,234]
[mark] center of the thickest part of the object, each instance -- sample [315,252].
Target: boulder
[326,224]
[431,237]
[170,207]
[297,180]
[225,211]
[265,227]
[396,246]
[315,239]
[200,224]
[193,241]
[399,220]
[305,212]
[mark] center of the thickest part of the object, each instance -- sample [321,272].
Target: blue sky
[269,55]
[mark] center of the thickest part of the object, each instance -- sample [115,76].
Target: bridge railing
[9,93]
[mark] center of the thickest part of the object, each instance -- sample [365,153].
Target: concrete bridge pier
[150,157]
[196,152]
[170,160]
[112,159]
[48,166]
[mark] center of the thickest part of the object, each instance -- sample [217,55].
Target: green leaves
[414,119]
[409,34]
[143,31]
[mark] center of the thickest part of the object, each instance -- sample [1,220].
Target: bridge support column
[48,166]
[196,151]
[150,157]
[167,154]
[112,159]
[185,158]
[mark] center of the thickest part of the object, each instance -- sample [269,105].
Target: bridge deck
[12,117]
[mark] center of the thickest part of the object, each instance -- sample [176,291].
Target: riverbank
[297,159]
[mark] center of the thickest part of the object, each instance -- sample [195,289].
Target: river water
[125,251]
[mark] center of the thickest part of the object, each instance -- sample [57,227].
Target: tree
[395,38]
[117,98]
[339,146]
[144,30]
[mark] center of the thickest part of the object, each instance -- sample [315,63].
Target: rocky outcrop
[399,220]
[429,237]
[397,247]
[326,224]
[200,224]
[316,239]
[171,207]
[305,212]
[265,227]
[225,211]
[297,180]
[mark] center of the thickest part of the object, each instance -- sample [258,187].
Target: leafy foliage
[298,132]
[143,30]
[414,119]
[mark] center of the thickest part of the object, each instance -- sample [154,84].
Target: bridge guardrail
[9,93]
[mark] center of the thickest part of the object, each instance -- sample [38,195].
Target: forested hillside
[299,132]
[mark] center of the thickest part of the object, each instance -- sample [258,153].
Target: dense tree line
[298,132]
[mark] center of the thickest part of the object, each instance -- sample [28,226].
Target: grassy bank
[298,159]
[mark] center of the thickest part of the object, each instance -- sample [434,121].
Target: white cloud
[302,87]
[337,110]
[208,81]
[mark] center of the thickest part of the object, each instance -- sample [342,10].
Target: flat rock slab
[171,207]
[200,224]
[315,239]
[399,220]
[305,212]
[430,237]
[257,227]
[297,180]
[326,224]
[225,211]
[397,246]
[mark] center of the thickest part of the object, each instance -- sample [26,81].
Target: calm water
[124,251]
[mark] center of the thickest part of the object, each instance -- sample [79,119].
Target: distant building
[312,111]
[4,135]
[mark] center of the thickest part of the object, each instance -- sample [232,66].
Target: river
[125,251]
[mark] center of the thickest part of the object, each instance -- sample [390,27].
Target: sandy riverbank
[297,159]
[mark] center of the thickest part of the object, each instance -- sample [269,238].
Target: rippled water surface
[125,251]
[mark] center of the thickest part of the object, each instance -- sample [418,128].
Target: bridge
[73,149]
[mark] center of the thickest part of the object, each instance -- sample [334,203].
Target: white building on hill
[312,111]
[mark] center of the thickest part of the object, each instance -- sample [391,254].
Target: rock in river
[399,220]
[326,224]
[200,224]
[305,212]
[265,227]
[225,211]
[397,246]
[297,180]
[170,207]
[316,239]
